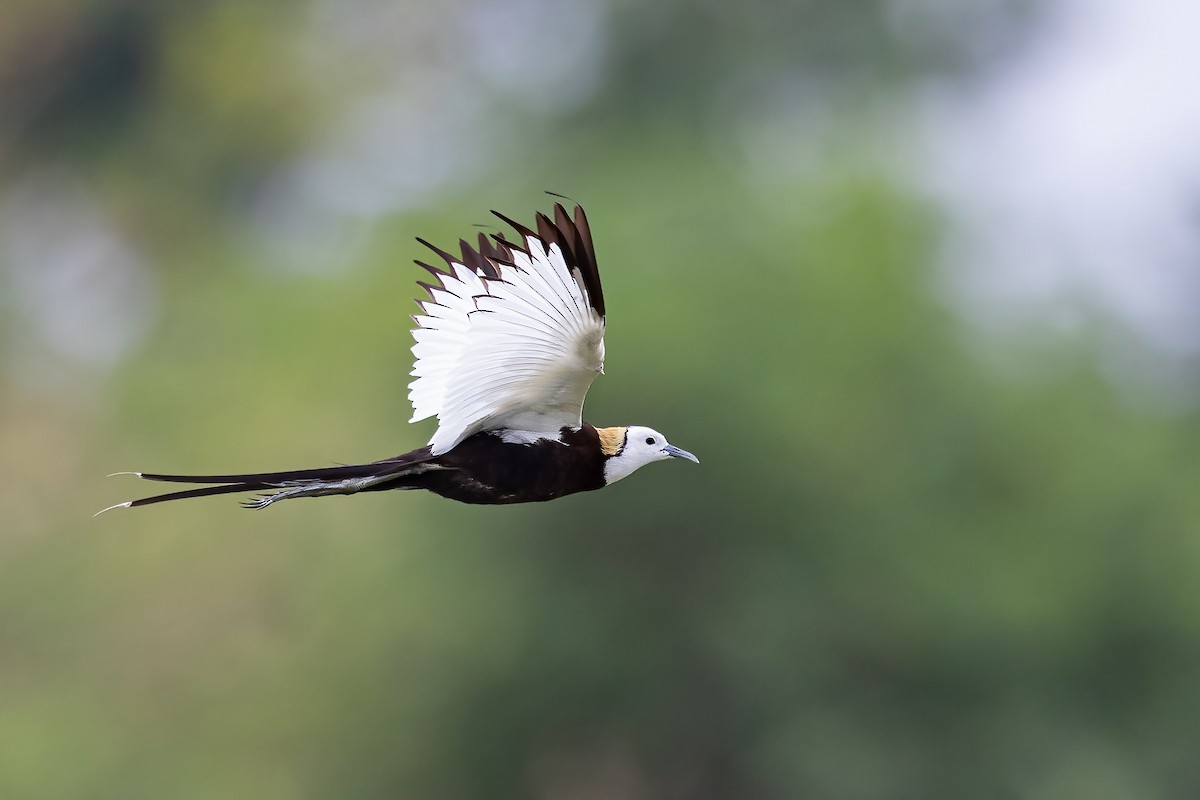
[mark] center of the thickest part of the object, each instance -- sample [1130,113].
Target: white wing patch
[515,352]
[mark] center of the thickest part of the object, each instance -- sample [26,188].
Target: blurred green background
[925,555]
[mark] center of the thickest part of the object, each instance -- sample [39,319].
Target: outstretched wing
[512,334]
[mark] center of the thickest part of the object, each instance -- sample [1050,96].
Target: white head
[633,447]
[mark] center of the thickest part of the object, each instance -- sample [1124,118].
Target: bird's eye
[649,440]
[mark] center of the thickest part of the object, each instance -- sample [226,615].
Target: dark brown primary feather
[572,235]
[574,239]
[576,243]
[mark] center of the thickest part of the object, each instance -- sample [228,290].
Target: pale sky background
[1066,169]
[1070,175]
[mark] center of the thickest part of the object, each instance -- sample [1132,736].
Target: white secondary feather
[518,353]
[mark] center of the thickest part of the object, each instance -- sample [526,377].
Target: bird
[507,343]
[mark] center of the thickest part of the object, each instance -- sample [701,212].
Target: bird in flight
[507,344]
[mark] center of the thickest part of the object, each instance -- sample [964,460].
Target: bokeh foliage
[904,568]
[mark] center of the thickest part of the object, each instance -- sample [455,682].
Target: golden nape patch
[612,440]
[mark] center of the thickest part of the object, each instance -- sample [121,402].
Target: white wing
[513,335]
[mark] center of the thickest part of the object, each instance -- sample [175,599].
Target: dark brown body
[486,469]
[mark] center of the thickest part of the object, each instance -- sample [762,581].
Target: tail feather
[203,491]
[317,473]
[291,483]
